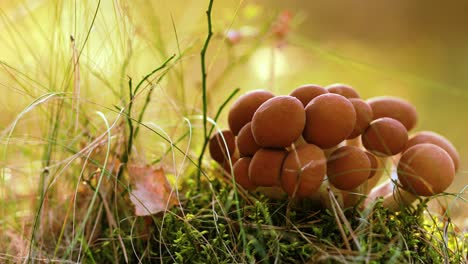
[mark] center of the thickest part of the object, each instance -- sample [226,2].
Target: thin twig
[204,86]
[148,96]
[338,222]
[345,221]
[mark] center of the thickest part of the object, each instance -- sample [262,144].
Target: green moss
[208,231]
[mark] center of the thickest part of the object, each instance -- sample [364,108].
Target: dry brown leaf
[152,192]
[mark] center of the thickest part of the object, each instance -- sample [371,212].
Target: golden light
[268,63]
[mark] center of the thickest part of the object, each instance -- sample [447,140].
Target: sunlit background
[412,49]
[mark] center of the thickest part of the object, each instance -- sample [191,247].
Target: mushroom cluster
[329,135]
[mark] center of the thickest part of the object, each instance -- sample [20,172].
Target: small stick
[340,227]
[323,195]
[343,218]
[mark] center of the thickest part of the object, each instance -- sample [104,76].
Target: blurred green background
[417,50]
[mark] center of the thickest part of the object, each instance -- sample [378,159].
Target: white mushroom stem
[381,169]
[394,198]
[372,182]
[398,199]
[355,142]
[382,190]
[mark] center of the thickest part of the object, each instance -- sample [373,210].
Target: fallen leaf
[152,192]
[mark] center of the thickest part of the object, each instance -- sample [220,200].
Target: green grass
[207,229]
[76,120]
[210,232]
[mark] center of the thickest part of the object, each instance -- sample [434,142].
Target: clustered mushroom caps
[316,136]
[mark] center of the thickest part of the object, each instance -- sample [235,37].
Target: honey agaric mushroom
[265,167]
[348,167]
[278,122]
[425,169]
[243,109]
[241,174]
[304,168]
[306,93]
[364,116]
[385,137]
[217,146]
[330,119]
[377,170]
[344,90]
[436,139]
[245,141]
[395,108]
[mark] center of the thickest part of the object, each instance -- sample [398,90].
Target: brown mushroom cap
[265,167]
[395,108]
[243,109]
[344,90]
[278,122]
[436,139]
[348,167]
[241,173]
[330,119]
[364,116]
[246,142]
[374,164]
[217,146]
[385,137]
[425,169]
[306,93]
[306,164]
